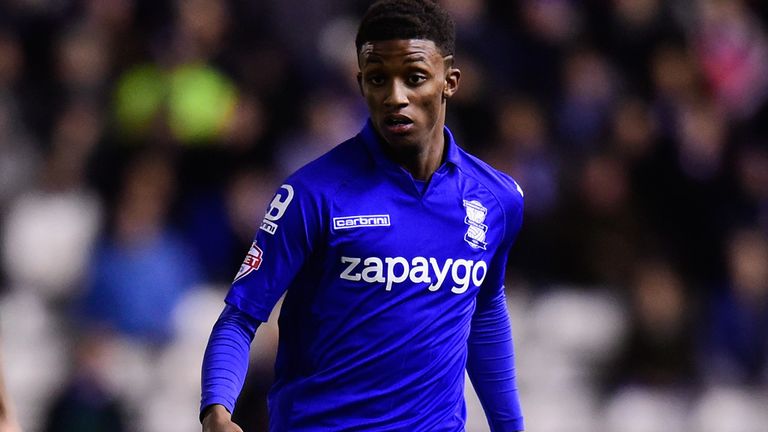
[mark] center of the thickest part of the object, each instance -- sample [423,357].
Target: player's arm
[283,243]
[491,354]
[218,419]
[225,365]
[491,364]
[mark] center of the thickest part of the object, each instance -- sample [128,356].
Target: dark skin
[218,419]
[406,84]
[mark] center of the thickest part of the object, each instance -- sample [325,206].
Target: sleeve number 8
[279,203]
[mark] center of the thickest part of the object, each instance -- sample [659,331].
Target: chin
[404,143]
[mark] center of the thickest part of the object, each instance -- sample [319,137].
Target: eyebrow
[412,58]
[418,58]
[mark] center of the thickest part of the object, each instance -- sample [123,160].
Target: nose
[397,96]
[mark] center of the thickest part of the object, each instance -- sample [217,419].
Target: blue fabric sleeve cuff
[225,362]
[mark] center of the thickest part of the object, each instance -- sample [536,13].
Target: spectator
[60,216]
[85,403]
[141,268]
[734,349]
[658,351]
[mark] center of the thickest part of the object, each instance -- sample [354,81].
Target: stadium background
[140,142]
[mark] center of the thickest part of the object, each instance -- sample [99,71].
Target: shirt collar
[374,144]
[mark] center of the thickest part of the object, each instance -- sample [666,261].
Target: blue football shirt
[383,275]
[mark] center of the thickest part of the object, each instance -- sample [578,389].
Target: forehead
[399,50]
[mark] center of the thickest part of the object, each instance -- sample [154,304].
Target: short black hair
[408,19]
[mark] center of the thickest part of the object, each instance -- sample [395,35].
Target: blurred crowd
[140,142]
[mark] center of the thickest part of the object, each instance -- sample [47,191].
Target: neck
[425,162]
[422,160]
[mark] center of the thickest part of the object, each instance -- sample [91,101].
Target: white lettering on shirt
[392,271]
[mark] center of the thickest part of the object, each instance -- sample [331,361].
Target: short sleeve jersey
[383,275]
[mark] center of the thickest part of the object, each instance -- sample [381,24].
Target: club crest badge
[477,229]
[251,263]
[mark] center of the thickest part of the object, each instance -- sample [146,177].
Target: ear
[452,77]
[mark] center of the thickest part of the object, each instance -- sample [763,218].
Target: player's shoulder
[500,184]
[324,174]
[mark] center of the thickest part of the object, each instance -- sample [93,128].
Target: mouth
[397,123]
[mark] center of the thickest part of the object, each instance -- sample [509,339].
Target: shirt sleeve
[285,240]
[491,357]
[491,366]
[225,362]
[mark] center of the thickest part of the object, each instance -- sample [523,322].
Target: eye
[416,79]
[375,80]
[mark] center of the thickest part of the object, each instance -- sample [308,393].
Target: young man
[392,248]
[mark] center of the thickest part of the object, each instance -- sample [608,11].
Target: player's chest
[450,221]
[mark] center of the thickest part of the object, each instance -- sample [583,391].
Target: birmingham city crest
[477,229]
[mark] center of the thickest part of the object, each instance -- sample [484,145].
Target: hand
[218,419]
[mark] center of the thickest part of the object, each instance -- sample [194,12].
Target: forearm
[491,366]
[225,362]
